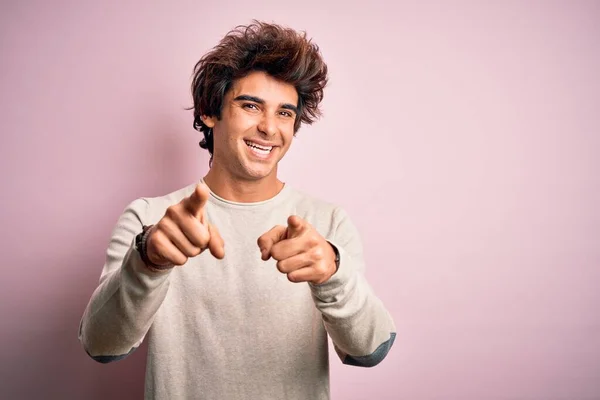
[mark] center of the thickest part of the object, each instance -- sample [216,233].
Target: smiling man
[250,317]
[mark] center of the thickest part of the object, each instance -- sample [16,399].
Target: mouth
[258,148]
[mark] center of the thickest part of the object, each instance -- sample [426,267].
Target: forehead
[262,85]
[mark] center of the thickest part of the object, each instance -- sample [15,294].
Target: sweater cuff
[330,290]
[137,274]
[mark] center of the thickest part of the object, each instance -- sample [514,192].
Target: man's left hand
[301,252]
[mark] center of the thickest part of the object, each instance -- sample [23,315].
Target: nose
[268,125]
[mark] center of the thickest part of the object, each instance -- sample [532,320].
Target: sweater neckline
[281,196]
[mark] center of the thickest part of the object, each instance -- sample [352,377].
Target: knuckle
[318,253]
[172,212]
[195,252]
[159,227]
[179,260]
[204,237]
[155,240]
[155,249]
[190,252]
[197,234]
[281,266]
[320,268]
[275,253]
[312,240]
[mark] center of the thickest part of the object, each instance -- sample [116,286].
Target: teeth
[254,145]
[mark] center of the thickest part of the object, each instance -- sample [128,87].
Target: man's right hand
[184,232]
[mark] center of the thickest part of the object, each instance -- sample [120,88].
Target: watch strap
[337,256]
[141,241]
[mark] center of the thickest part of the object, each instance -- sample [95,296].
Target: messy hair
[283,53]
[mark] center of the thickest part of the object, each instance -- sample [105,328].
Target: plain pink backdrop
[462,137]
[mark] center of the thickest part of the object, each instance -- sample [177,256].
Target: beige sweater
[236,328]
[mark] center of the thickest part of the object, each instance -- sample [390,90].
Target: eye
[250,106]
[286,114]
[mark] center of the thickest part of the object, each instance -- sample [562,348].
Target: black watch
[337,256]
[140,246]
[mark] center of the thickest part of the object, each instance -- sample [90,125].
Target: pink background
[462,138]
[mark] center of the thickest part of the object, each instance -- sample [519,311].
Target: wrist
[141,245]
[334,264]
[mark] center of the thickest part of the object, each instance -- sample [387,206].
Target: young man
[249,318]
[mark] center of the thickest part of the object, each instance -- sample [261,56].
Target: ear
[209,121]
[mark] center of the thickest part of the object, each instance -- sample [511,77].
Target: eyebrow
[246,97]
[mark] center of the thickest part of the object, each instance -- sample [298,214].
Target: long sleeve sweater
[236,328]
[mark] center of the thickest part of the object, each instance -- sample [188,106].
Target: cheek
[287,133]
[236,124]
[243,120]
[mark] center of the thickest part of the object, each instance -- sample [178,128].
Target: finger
[306,274]
[178,238]
[289,247]
[165,252]
[196,202]
[268,239]
[295,226]
[293,263]
[195,231]
[216,243]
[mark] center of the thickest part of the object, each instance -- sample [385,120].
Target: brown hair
[281,52]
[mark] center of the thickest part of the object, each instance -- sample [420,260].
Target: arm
[123,306]
[360,327]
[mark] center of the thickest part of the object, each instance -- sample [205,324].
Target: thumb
[216,244]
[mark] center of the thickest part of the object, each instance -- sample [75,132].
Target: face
[256,127]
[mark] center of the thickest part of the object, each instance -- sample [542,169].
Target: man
[249,318]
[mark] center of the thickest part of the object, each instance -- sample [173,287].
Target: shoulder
[325,215]
[151,209]
[174,197]
[308,203]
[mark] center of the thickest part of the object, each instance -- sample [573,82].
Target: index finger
[267,240]
[196,202]
[295,226]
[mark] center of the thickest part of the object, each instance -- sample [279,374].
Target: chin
[254,170]
[256,174]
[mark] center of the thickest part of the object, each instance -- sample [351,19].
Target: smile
[259,148]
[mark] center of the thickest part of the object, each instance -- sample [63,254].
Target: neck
[241,190]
